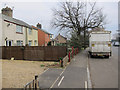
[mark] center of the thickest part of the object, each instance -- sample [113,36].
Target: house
[14,31]
[61,40]
[32,36]
[43,36]
[54,42]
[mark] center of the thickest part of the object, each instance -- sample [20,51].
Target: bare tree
[76,16]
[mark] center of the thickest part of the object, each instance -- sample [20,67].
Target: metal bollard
[36,76]
[75,51]
[61,62]
[72,51]
[69,57]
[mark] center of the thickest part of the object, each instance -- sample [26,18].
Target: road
[103,73]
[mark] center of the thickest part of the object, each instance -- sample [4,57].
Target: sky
[35,11]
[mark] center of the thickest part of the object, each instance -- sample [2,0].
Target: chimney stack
[7,11]
[39,26]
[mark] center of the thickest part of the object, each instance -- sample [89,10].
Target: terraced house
[43,36]
[15,32]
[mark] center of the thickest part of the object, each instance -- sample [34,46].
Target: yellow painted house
[32,36]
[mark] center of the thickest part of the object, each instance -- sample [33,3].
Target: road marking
[44,71]
[88,74]
[54,82]
[60,81]
[86,85]
[89,80]
[59,76]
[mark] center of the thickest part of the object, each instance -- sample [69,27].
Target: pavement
[73,76]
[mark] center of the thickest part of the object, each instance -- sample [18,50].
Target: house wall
[33,36]
[41,38]
[0,30]
[47,38]
[60,39]
[9,32]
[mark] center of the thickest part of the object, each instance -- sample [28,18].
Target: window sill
[19,33]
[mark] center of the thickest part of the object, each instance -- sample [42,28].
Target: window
[35,42]
[50,36]
[30,31]
[19,29]
[19,43]
[9,43]
[30,43]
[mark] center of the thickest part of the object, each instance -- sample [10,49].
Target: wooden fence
[34,52]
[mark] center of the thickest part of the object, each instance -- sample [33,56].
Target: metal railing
[33,85]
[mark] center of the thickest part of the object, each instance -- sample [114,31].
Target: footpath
[73,76]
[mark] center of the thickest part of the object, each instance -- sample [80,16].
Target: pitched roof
[43,30]
[16,21]
[61,36]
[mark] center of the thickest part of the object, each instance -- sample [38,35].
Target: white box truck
[100,43]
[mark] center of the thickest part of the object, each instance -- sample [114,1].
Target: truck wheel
[106,56]
[91,56]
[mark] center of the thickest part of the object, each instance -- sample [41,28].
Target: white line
[60,81]
[58,77]
[89,80]
[86,85]
[44,72]
[55,82]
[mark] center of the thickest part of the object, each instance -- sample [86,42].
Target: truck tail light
[109,45]
[93,45]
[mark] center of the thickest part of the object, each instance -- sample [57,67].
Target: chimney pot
[39,25]
[7,11]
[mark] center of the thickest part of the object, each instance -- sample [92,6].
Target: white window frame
[20,42]
[35,42]
[19,29]
[30,31]
[30,43]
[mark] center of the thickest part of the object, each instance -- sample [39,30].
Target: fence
[34,52]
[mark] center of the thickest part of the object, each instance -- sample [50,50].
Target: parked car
[116,44]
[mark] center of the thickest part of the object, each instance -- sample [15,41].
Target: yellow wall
[33,36]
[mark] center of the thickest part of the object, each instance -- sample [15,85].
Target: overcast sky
[41,12]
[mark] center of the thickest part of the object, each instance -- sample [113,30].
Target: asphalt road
[104,72]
